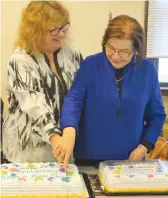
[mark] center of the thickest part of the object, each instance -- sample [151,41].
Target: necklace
[119,79]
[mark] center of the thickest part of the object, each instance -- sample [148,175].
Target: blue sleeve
[74,100]
[155,112]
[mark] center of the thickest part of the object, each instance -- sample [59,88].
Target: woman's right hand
[55,141]
[63,146]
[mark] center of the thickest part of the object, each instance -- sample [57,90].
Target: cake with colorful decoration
[123,177]
[38,180]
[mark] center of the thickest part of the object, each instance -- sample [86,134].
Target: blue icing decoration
[66,179]
[16,165]
[62,170]
[159,170]
[52,165]
[13,174]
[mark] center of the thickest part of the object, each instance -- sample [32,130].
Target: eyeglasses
[121,53]
[56,31]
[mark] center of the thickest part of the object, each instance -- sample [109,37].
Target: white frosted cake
[47,180]
[133,177]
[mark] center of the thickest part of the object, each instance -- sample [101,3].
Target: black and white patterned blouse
[35,98]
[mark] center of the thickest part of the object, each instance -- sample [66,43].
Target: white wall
[88,22]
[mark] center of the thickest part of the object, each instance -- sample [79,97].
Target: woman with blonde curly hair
[40,72]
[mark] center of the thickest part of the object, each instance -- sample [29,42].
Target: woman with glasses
[114,106]
[40,72]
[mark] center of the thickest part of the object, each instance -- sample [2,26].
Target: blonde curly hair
[37,18]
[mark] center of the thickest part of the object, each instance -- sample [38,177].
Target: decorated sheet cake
[40,180]
[134,177]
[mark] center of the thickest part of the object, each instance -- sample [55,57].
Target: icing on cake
[120,177]
[40,179]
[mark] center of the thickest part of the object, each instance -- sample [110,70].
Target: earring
[135,57]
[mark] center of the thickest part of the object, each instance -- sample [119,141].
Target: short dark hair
[124,26]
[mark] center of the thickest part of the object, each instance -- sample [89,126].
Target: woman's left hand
[138,154]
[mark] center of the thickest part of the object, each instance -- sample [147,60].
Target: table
[92,170]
